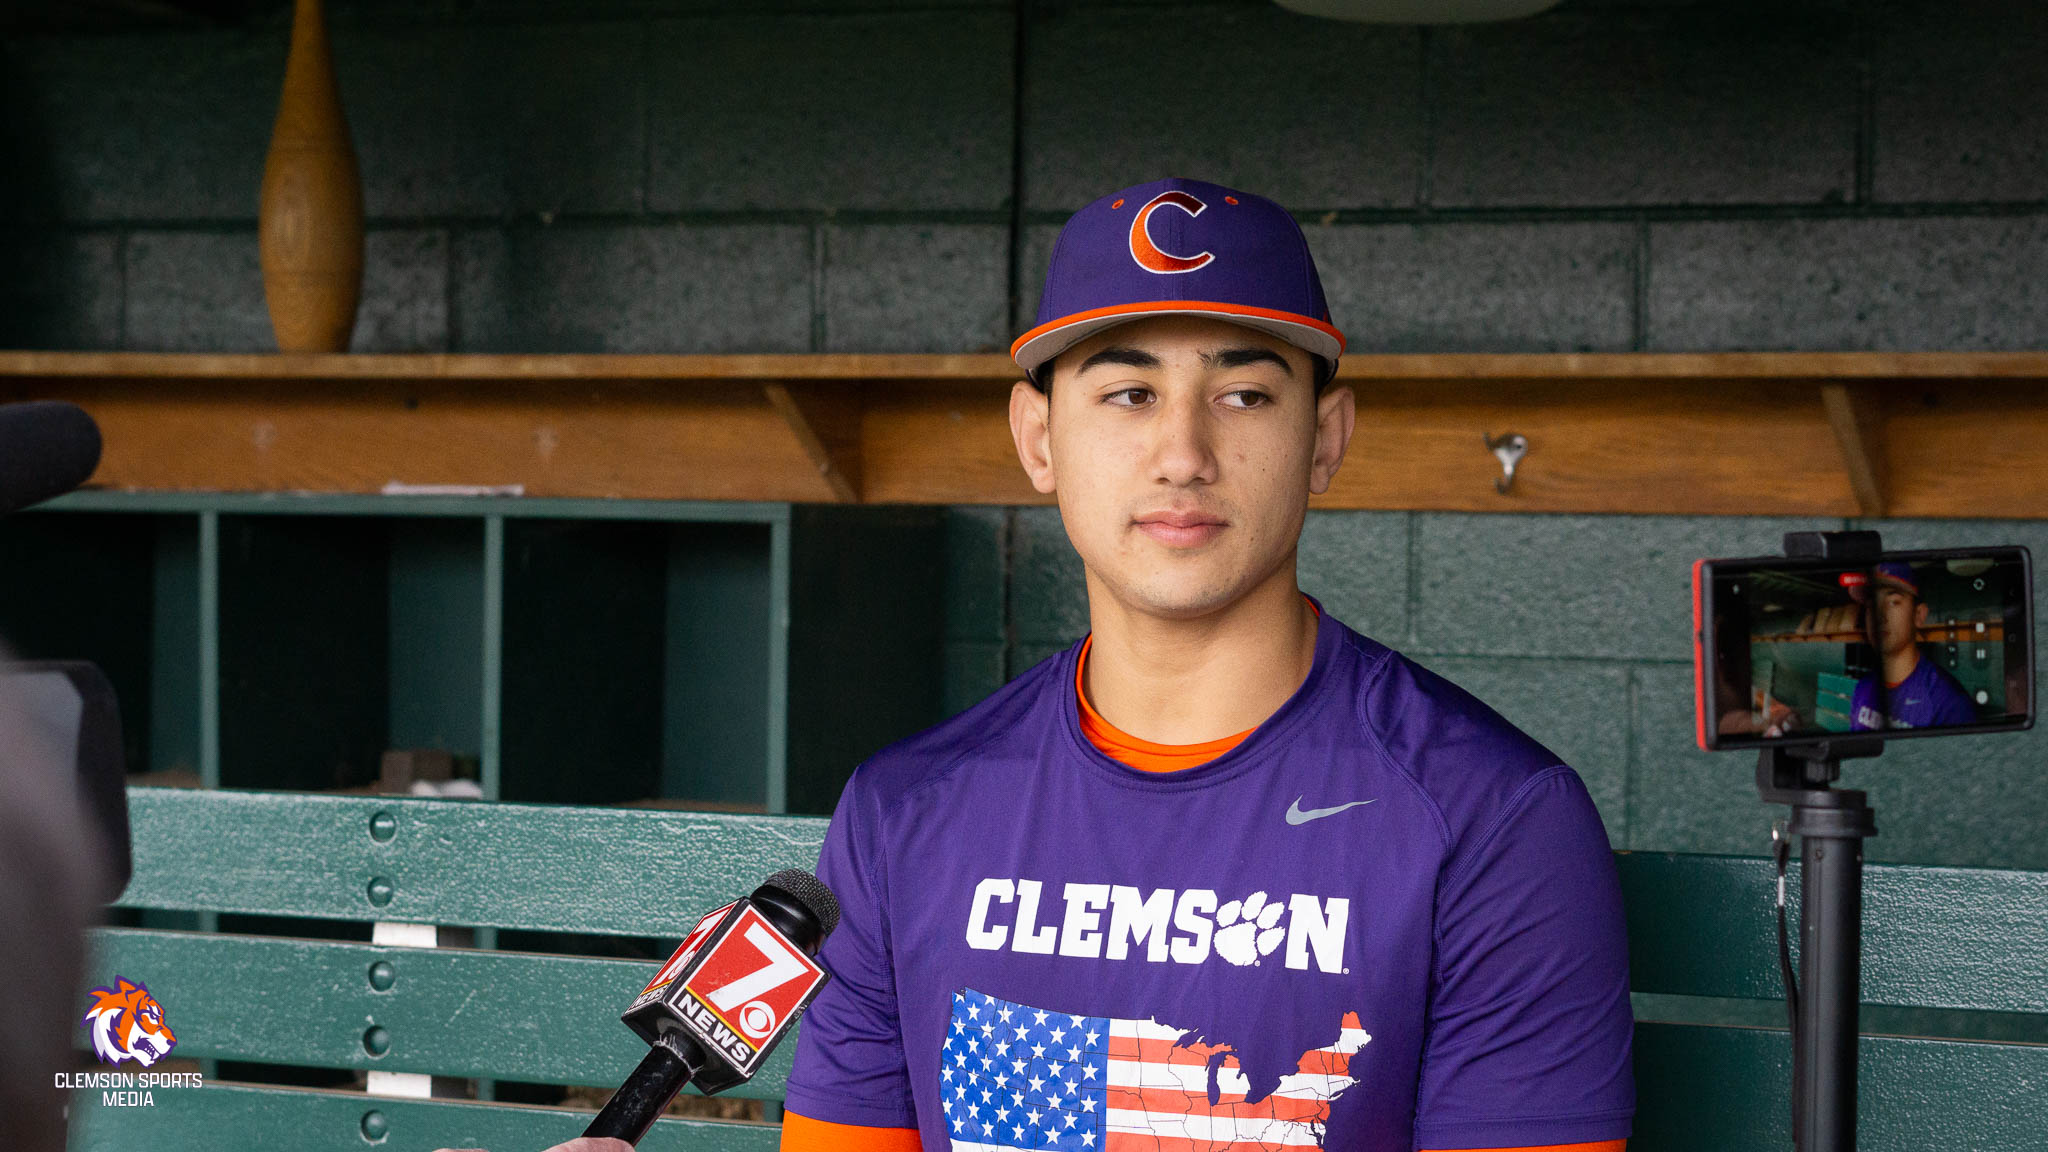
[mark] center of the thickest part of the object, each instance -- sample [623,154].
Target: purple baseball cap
[1898,574]
[1183,248]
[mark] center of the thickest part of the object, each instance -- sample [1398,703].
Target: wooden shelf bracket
[1859,431]
[826,422]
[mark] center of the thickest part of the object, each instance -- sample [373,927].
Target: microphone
[736,986]
[47,448]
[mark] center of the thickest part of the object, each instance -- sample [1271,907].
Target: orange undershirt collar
[1145,755]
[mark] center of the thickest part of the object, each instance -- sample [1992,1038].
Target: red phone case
[1699,663]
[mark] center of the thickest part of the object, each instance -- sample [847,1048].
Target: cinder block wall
[673,175]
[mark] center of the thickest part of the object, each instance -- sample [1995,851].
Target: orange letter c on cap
[1147,254]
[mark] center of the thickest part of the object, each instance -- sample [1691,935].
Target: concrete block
[899,111]
[671,288]
[1960,108]
[404,306]
[1356,565]
[203,292]
[977,560]
[1033,257]
[171,126]
[1964,801]
[1048,589]
[1968,801]
[1315,114]
[1901,284]
[974,668]
[1613,587]
[196,292]
[1674,106]
[1485,287]
[917,288]
[494,119]
[1576,708]
[1025,657]
[1683,799]
[60,289]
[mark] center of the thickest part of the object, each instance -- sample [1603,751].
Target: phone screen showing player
[1917,644]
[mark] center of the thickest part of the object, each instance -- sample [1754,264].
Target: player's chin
[1184,595]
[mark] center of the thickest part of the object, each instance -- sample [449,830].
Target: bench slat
[1706,1089]
[623,871]
[1970,938]
[448,1011]
[252,1118]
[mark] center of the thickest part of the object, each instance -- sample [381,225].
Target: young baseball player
[1226,873]
[1915,692]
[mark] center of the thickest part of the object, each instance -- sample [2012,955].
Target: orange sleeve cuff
[803,1134]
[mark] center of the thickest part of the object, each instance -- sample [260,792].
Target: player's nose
[1183,451]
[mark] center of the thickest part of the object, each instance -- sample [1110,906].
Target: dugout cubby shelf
[1939,434]
[574,651]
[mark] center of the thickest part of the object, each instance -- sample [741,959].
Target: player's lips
[1181,529]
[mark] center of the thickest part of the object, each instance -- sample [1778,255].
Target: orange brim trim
[1178,306]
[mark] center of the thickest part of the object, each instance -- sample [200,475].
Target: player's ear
[1336,415]
[1920,614]
[1031,428]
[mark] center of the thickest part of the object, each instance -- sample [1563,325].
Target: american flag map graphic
[1014,1076]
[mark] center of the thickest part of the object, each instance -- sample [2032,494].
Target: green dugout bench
[1955,977]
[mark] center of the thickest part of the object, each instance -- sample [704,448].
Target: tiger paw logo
[1249,929]
[128,1024]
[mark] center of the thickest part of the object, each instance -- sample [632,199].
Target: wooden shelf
[1948,434]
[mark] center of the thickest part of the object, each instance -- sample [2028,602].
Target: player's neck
[1187,681]
[1899,665]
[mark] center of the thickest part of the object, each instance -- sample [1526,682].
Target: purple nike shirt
[1386,920]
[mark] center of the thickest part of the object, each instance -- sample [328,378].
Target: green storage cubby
[740,656]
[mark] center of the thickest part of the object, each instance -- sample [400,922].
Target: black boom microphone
[47,448]
[716,1009]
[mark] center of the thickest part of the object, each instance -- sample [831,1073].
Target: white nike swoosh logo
[1296,816]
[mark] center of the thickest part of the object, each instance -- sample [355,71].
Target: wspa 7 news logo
[735,985]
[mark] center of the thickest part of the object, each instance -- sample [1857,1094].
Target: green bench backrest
[1949,953]
[1955,992]
[451,1012]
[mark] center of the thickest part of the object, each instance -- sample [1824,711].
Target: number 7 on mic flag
[735,985]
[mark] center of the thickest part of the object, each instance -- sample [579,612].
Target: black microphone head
[47,448]
[810,892]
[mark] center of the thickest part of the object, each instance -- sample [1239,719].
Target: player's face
[1893,617]
[1182,451]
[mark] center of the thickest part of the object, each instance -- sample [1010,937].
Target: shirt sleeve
[850,1067]
[1529,1022]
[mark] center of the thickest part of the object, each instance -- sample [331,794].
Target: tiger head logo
[128,1024]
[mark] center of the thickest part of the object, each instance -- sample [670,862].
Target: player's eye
[1247,398]
[1128,397]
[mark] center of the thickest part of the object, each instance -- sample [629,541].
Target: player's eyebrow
[1120,354]
[1226,359]
[1245,357]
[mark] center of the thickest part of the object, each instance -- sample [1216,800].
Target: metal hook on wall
[1509,449]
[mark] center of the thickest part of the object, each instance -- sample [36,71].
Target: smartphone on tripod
[1794,650]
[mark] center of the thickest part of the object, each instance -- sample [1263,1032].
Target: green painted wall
[887,175]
